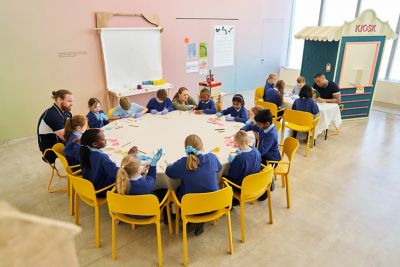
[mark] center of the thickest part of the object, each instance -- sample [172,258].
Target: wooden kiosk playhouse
[349,55]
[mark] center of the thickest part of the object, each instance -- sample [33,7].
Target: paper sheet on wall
[192,66]
[224,45]
[191,51]
[203,66]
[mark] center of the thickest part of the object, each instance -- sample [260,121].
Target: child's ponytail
[88,138]
[129,167]
[122,181]
[71,125]
[192,162]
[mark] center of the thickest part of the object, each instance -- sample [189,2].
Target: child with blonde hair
[74,128]
[126,109]
[301,81]
[197,171]
[130,179]
[245,161]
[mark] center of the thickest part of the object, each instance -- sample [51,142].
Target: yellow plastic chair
[253,186]
[272,107]
[300,121]
[58,149]
[120,206]
[194,206]
[84,190]
[109,114]
[290,147]
[54,169]
[258,94]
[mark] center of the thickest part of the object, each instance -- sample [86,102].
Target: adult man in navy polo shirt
[50,128]
[328,90]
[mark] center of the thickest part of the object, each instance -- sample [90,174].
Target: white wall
[388,92]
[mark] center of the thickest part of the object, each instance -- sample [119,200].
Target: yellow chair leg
[169,218]
[133,226]
[158,229]
[71,199]
[312,138]
[283,181]
[177,221]
[242,220]
[215,222]
[76,208]
[283,132]
[271,220]
[230,232]
[114,239]
[288,198]
[97,225]
[185,257]
[308,143]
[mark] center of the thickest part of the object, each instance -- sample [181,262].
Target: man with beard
[50,129]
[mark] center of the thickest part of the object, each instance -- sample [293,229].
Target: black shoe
[263,197]
[235,202]
[199,230]
[191,227]
[272,185]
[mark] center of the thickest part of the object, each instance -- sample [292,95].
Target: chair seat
[281,169]
[100,201]
[133,220]
[206,217]
[299,128]
[248,197]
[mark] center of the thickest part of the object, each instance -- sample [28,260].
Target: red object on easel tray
[213,84]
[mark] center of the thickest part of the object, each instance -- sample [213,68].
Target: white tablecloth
[329,113]
[151,132]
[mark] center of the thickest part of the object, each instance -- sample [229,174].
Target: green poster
[203,49]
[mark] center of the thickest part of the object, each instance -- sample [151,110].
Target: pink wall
[34,32]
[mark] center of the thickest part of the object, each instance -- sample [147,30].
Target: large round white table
[151,132]
[329,113]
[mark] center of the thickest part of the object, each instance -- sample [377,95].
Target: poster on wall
[203,66]
[224,45]
[203,49]
[192,66]
[191,51]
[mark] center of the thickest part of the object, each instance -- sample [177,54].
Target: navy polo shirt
[52,120]
[328,91]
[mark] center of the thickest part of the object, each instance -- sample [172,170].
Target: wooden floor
[345,210]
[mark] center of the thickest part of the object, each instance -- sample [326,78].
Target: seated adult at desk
[50,128]
[328,90]
[183,101]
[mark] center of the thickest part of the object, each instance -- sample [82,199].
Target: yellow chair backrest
[278,126]
[254,185]
[299,117]
[268,105]
[198,203]
[84,188]
[59,151]
[259,94]
[59,148]
[110,112]
[290,147]
[146,205]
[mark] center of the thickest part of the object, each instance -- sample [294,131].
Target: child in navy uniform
[206,105]
[73,130]
[267,142]
[305,103]
[246,160]
[126,109]
[237,112]
[161,103]
[197,171]
[96,117]
[96,166]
